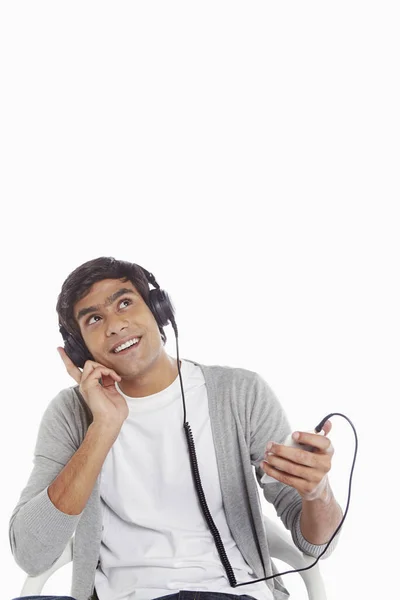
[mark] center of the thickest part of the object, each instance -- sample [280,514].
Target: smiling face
[112,316]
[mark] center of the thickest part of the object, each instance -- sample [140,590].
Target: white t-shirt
[155,538]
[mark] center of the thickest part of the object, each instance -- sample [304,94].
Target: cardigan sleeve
[38,531]
[269,422]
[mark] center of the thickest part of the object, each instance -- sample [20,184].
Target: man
[112,463]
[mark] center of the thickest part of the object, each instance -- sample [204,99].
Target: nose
[115,324]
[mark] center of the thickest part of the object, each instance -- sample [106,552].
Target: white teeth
[126,345]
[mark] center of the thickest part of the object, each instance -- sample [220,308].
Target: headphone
[158,302]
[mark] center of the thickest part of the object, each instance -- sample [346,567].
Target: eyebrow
[92,309]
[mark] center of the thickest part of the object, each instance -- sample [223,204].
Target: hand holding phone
[97,386]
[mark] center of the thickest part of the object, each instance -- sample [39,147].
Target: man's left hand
[306,471]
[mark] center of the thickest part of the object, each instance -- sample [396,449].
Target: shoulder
[67,399]
[67,410]
[245,395]
[237,378]
[225,371]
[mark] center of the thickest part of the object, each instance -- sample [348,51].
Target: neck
[154,380]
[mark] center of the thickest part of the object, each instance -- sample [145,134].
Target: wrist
[322,494]
[105,429]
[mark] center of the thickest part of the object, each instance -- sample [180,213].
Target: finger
[315,460]
[327,427]
[292,468]
[296,482]
[107,382]
[320,442]
[94,375]
[89,366]
[72,369]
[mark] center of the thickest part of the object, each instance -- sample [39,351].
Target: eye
[88,322]
[128,300]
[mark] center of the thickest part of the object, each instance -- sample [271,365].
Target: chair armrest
[281,546]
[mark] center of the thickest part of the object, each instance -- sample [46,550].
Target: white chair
[281,547]
[280,544]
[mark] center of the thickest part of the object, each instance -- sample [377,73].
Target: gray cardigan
[244,415]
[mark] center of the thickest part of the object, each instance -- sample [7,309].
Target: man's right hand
[97,386]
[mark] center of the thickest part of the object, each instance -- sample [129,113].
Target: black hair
[79,282]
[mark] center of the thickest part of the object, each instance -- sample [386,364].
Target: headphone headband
[150,277]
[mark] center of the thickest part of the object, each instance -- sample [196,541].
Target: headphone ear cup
[77,352]
[161,307]
[75,349]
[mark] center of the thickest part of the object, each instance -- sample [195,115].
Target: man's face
[111,314]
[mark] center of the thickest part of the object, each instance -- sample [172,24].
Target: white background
[248,155]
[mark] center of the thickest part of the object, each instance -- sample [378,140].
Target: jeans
[182,595]
[44,598]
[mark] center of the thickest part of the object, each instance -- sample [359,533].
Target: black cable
[197,482]
[203,503]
